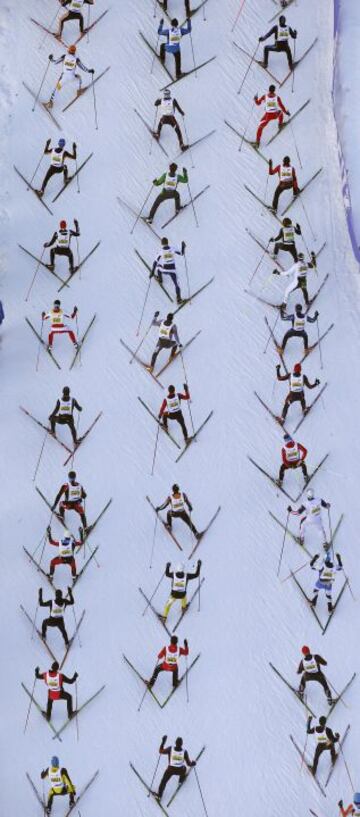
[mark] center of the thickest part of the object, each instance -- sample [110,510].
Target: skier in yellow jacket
[60,783]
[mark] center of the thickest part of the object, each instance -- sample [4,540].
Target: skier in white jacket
[311,509]
[299,270]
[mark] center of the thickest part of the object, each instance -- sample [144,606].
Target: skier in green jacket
[169,181]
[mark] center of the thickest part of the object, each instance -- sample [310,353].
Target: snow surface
[238,708]
[346,89]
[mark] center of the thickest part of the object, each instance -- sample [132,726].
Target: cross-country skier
[169,661]
[57,163]
[274,109]
[285,240]
[178,502]
[66,549]
[70,63]
[293,456]
[173,36]
[299,270]
[60,783]
[54,681]
[167,107]
[311,508]
[165,264]
[298,320]
[310,670]
[62,239]
[73,494]
[282,32]
[170,181]
[57,607]
[297,382]
[179,582]
[63,413]
[56,316]
[326,740]
[178,759]
[353,809]
[170,409]
[164,5]
[168,338]
[73,13]
[287,180]
[327,572]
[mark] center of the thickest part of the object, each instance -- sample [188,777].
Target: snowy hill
[248,617]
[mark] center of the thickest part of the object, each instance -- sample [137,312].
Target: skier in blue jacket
[172,46]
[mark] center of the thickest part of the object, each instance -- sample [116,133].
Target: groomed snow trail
[237,707]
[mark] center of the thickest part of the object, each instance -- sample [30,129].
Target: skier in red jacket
[170,408]
[54,681]
[274,109]
[169,657]
[287,180]
[293,456]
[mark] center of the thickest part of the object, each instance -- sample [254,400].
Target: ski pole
[306,739]
[193,205]
[273,329]
[36,170]
[39,345]
[35,274]
[187,141]
[320,351]
[77,176]
[76,625]
[138,216]
[294,571]
[187,679]
[238,14]
[153,130]
[201,794]
[154,775]
[40,456]
[154,9]
[283,543]
[295,143]
[189,402]
[248,68]
[144,694]
[199,594]
[34,622]
[155,54]
[77,335]
[337,695]
[187,276]
[154,593]
[153,461]
[193,53]
[140,322]
[155,525]
[88,25]
[258,264]
[204,13]
[29,707]
[307,218]
[346,766]
[293,70]
[41,85]
[49,27]
[42,540]
[263,209]
[306,246]
[76,711]
[246,126]
[95,105]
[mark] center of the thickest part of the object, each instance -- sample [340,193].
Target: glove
[340,803]
[337,735]
[296,192]
[156,314]
[270,162]
[75,310]
[45,245]
[313,560]
[289,508]
[92,71]
[339,559]
[76,675]
[317,382]
[151,275]
[43,774]
[164,739]
[288,113]
[185,387]
[184,171]
[271,240]
[69,589]
[183,247]
[180,346]
[316,315]
[74,145]
[261,39]
[185,643]
[255,98]
[276,272]
[51,57]
[199,562]
[48,530]
[309,720]
[295,34]
[43,315]
[278,367]
[298,227]
[37,669]
[161,21]
[193,763]
[53,507]
[328,504]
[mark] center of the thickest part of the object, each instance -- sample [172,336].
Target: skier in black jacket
[62,239]
[326,740]
[63,413]
[285,240]
[178,761]
[282,32]
[310,670]
[57,609]
[179,581]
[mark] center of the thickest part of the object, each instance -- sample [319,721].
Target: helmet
[298,307]
[310,494]
[179,568]
[286,222]
[175,488]
[174,22]
[72,474]
[66,390]
[164,241]
[356,798]
[63,225]
[287,438]
[58,594]
[55,762]
[61,143]
[305,650]
[301,256]
[57,303]
[272,89]
[282,20]
[179,743]
[72,49]
[167,93]
[297,368]
[286,160]
[171,389]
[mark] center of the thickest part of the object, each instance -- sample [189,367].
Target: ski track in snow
[238,708]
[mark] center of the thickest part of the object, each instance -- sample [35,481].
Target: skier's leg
[304,470]
[287,50]
[169,516]
[69,704]
[317,754]
[162,52]
[155,674]
[49,708]
[61,626]
[168,606]
[71,425]
[286,407]
[70,256]
[160,198]
[178,134]
[181,421]
[177,57]
[164,780]
[281,472]
[187,519]
[275,200]
[44,627]
[175,677]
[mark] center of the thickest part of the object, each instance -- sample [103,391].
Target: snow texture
[238,708]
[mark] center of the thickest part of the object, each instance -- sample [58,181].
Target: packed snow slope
[238,708]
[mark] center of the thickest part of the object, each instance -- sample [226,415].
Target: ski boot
[183,147]
[168,527]
[156,135]
[71,800]
[313,601]
[330,607]
[49,105]
[329,698]
[300,694]
[50,267]
[48,347]
[149,220]
[149,369]
[150,684]
[39,193]
[47,809]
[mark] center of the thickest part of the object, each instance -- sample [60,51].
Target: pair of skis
[183,73]
[323,627]
[58,732]
[160,618]
[44,641]
[144,681]
[253,144]
[90,528]
[297,539]
[166,365]
[189,441]
[49,351]
[84,33]
[47,575]
[172,535]
[71,451]
[190,146]
[276,482]
[179,786]
[308,765]
[296,63]
[337,698]
[278,419]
